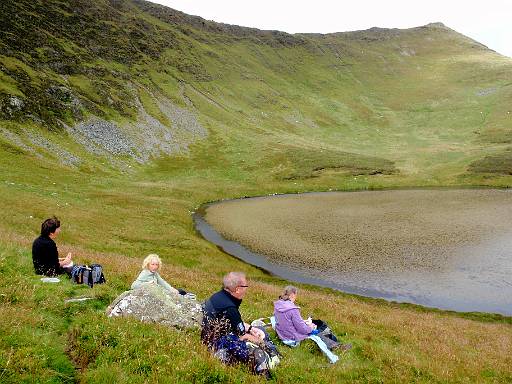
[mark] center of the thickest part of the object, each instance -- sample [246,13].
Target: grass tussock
[41,336]
[495,164]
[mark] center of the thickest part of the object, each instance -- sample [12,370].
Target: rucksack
[97,274]
[83,274]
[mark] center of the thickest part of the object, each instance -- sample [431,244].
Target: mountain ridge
[117,61]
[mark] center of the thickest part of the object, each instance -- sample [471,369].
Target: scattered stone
[154,138]
[77,299]
[50,279]
[16,102]
[407,52]
[485,92]
[153,304]
[11,106]
[105,135]
[62,155]
[144,139]
[15,139]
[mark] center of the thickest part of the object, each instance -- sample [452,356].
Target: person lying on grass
[45,255]
[150,275]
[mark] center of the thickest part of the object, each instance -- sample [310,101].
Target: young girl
[150,275]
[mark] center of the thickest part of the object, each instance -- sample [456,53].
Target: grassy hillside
[122,117]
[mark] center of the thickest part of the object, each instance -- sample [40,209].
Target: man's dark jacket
[222,306]
[45,257]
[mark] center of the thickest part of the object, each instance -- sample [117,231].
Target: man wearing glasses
[225,333]
[222,307]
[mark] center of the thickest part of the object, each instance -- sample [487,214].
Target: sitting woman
[292,328]
[150,275]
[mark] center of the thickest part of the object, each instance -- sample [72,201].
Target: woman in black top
[45,255]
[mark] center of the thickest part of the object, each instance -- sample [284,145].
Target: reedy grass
[117,220]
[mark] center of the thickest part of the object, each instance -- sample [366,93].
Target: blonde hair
[288,290]
[149,259]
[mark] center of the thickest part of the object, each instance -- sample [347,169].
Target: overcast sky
[489,22]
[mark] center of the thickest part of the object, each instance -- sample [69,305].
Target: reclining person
[45,255]
[149,275]
[225,333]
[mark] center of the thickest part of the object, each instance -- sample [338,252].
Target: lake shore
[439,248]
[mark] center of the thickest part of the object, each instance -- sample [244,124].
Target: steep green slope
[122,117]
[408,96]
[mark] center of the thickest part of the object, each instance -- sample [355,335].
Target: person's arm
[65,261]
[299,324]
[53,255]
[237,324]
[141,279]
[255,331]
[252,334]
[252,338]
[165,284]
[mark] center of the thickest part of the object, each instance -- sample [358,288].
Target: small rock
[16,102]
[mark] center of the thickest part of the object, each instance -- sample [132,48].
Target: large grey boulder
[153,304]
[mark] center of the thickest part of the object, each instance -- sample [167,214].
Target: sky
[488,22]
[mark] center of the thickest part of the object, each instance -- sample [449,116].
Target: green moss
[9,86]
[14,64]
[302,163]
[85,86]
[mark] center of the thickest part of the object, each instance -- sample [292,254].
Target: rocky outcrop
[153,304]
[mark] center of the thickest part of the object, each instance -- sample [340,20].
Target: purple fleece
[290,325]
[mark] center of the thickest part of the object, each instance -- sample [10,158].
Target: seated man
[224,331]
[44,251]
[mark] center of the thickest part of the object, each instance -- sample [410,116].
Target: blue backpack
[83,274]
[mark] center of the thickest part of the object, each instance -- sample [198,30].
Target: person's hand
[66,260]
[309,322]
[250,337]
[257,333]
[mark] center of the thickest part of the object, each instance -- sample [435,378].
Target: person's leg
[66,269]
[291,343]
[323,347]
[331,344]
[259,360]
